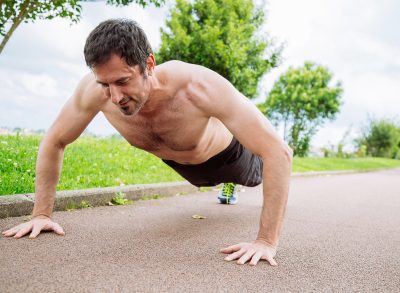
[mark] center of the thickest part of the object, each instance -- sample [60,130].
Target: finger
[256,258]
[11,230]
[271,260]
[23,231]
[235,255]
[231,248]
[58,229]
[35,231]
[9,233]
[245,257]
[4,232]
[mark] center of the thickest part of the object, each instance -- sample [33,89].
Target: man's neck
[157,94]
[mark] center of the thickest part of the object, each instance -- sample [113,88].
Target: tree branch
[26,7]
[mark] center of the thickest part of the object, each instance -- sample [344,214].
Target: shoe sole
[223,200]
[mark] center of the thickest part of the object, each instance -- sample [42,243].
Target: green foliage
[362,151]
[302,100]
[28,10]
[223,35]
[381,138]
[327,152]
[13,12]
[71,205]
[183,193]
[338,151]
[205,188]
[149,197]
[142,3]
[84,204]
[120,199]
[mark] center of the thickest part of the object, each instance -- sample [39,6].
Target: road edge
[22,204]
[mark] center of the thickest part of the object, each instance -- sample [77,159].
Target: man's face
[123,84]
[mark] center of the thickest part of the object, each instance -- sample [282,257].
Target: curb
[22,204]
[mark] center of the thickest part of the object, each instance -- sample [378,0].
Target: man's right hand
[36,225]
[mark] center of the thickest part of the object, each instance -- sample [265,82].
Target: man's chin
[128,111]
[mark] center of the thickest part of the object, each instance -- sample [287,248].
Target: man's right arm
[74,117]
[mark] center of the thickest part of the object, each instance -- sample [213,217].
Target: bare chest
[175,127]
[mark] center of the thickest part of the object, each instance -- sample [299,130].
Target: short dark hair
[117,36]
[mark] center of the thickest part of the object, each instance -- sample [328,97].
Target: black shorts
[234,164]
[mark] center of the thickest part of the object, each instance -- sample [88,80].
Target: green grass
[88,163]
[73,206]
[333,164]
[150,197]
[101,162]
[120,199]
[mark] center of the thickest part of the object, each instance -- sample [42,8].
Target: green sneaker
[228,194]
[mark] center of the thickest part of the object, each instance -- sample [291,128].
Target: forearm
[48,169]
[276,179]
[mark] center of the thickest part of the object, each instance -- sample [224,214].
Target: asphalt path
[341,234]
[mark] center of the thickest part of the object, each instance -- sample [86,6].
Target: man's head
[121,58]
[122,37]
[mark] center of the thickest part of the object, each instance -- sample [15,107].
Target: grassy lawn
[97,162]
[330,164]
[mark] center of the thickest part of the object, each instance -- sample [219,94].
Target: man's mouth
[124,103]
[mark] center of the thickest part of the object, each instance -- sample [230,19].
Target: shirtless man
[188,115]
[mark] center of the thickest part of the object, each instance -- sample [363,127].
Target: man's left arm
[218,98]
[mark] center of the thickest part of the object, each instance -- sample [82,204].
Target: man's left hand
[255,251]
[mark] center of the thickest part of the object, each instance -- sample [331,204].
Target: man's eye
[103,85]
[121,82]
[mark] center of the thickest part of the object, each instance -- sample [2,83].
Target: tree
[302,100]
[14,12]
[381,138]
[223,35]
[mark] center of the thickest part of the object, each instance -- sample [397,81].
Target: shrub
[381,138]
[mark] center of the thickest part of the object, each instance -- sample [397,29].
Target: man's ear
[150,64]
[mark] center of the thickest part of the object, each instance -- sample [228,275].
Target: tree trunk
[26,7]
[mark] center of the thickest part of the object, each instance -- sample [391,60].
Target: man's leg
[228,194]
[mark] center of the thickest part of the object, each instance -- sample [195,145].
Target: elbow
[288,154]
[50,142]
[280,153]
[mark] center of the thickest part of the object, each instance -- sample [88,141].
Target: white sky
[357,40]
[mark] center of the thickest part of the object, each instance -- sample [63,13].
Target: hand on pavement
[255,251]
[36,225]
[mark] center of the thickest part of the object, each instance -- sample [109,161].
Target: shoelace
[228,189]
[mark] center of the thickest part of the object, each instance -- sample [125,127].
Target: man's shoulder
[183,69]
[88,93]
[193,82]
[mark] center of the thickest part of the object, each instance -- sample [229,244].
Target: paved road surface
[342,234]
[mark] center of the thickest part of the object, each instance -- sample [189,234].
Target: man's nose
[116,94]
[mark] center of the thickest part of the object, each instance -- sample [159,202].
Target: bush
[381,138]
